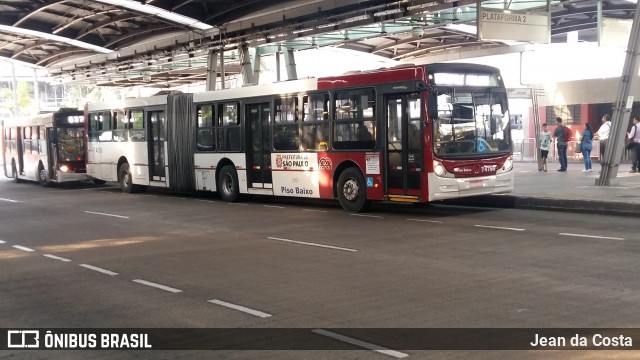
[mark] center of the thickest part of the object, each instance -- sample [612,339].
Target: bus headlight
[439,169]
[508,164]
[64,168]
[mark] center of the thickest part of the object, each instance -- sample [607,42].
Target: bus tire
[42,176]
[228,184]
[352,191]
[125,179]
[14,173]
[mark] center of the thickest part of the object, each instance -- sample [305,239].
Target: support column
[14,83]
[223,75]
[290,64]
[36,90]
[622,108]
[278,64]
[256,68]
[212,74]
[599,19]
[245,65]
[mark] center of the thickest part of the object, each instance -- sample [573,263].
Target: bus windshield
[71,144]
[472,121]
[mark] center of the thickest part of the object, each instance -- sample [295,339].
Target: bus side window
[315,124]
[102,125]
[136,125]
[285,128]
[354,126]
[121,124]
[205,139]
[229,129]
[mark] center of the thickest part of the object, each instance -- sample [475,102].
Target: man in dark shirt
[558,133]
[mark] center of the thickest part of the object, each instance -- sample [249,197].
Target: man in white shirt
[634,146]
[603,134]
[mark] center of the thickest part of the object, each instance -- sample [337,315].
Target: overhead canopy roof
[165,42]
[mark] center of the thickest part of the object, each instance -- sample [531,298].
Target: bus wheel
[14,173]
[352,192]
[42,176]
[125,179]
[228,184]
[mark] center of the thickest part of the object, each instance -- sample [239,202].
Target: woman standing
[586,145]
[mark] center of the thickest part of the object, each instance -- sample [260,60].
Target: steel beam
[621,109]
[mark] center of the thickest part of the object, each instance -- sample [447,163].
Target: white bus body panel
[206,166]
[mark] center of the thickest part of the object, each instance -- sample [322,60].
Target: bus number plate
[475,183]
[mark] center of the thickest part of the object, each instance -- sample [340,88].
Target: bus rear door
[157,125]
[258,118]
[404,144]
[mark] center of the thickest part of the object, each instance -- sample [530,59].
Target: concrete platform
[572,190]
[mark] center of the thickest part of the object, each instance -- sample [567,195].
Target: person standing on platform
[603,135]
[634,145]
[545,144]
[559,134]
[586,145]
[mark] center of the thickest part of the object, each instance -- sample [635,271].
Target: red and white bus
[48,148]
[408,134]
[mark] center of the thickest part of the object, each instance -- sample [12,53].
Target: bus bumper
[451,188]
[65,177]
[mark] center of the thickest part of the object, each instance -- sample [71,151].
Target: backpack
[567,133]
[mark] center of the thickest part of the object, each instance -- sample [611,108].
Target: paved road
[90,257]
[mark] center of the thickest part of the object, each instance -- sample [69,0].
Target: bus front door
[405,147]
[258,119]
[52,152]
[158,133]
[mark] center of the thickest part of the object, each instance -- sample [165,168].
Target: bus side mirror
[432,105]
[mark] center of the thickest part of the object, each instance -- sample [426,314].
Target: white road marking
[423,220]
[9,200]
[365,215]
[56,257]
[158,286]
[105,214]
[2,241]
[592,236]
[209,201]
[240,308]
[232,203]
[320,211]
[274,206]
[100,270]
[23,248]
[312,244]
[499,228]
[360,343]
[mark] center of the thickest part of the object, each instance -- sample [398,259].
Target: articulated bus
[406,134]
[48,148]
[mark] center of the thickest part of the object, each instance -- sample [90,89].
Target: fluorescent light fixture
[161,13]
[44,35]
[470,29]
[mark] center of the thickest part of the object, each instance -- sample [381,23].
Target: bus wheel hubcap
[350,190]
[228,184]
[43,175]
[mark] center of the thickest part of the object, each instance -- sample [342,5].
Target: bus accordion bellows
[48,148]
[408,134]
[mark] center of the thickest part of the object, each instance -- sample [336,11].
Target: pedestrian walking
[560,133]
[545,144]
[586,145]
[634,145]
